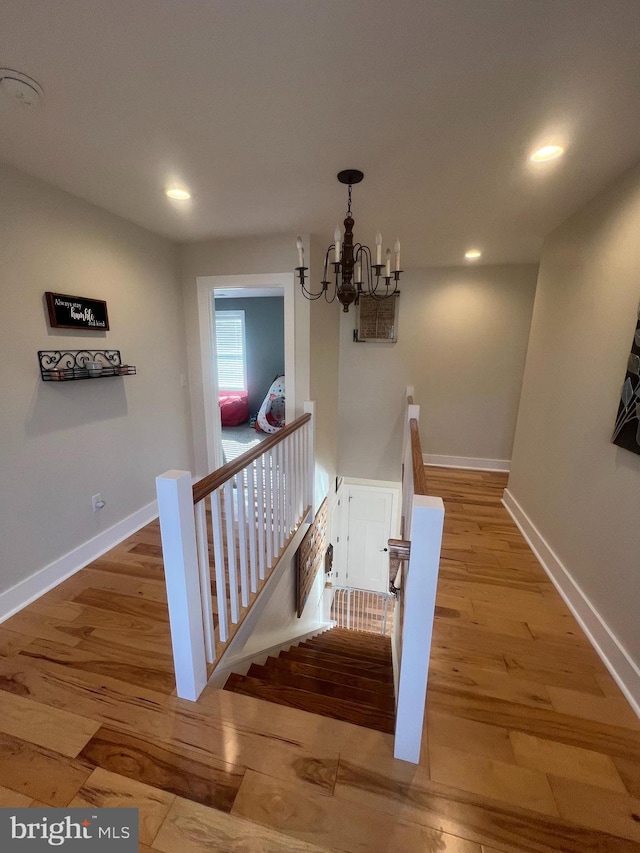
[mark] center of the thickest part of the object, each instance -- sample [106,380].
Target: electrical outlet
[97,502]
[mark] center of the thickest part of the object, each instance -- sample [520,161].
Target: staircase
[341,674]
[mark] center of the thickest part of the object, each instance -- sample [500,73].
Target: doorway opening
[246,330]
[249,357]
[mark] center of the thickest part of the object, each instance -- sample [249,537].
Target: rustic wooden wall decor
[310,556]
[376,319]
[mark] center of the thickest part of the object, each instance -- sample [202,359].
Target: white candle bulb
[388,260]
[336,237]
[378,248]
[396,249]
[358,272]
[300,246]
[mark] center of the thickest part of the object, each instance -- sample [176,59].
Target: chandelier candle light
[354,273]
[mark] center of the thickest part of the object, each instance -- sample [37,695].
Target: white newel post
[177,528]
[310,406]
[419,594]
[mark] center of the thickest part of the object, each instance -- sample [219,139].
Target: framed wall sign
[76,312]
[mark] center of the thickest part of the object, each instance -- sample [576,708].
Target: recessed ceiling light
[178,192]
[473,254]
[548,152]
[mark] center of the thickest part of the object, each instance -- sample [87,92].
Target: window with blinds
[231,351]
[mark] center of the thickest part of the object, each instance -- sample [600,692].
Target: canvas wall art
[626,432]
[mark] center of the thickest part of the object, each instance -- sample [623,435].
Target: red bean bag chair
[234,409]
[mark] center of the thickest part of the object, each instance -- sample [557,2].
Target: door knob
[384,549]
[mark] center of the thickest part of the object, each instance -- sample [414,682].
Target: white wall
[462,340]
[578,489]
[324,360]
[60,443]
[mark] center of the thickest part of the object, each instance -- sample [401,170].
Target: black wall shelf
[65,365]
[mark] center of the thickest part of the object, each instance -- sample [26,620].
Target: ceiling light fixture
[473,254]
[354,272]
[178,192]
[548,152]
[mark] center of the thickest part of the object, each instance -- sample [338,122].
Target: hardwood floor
[529,744]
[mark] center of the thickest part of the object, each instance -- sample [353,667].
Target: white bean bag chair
[271,415]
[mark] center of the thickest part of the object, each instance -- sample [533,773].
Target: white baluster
[289,477]
[263,517]
[270,505]
[252,523]
[281,487]
[218,555]
[275,502]
[298,466]
[205,579]
[231,550]
[242,538]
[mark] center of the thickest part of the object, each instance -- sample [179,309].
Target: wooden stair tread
[369,639]
[310,684]
[326,706]
[321,672]
[375,671]
[375,641]
[368,648]
[367,664]
[343,647]
[333,675]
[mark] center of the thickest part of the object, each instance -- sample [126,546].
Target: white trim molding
[614,656]
[468,462]
[25,591]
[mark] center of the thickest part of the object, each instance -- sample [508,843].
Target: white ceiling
[255,105]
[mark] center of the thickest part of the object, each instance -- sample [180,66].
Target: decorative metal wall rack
[63,365]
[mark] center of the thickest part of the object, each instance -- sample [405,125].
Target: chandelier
[354,274]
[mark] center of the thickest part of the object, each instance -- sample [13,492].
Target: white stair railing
[239,519]
[423,519]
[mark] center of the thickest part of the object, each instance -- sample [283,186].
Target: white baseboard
[614,656]
[25,591]
[470,462]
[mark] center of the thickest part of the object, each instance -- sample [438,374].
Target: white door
[370,518]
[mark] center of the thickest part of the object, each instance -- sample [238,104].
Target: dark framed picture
[76,312]
[626,432]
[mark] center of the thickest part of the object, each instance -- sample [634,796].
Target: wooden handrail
[399,549]
[419,477]
[220,476]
